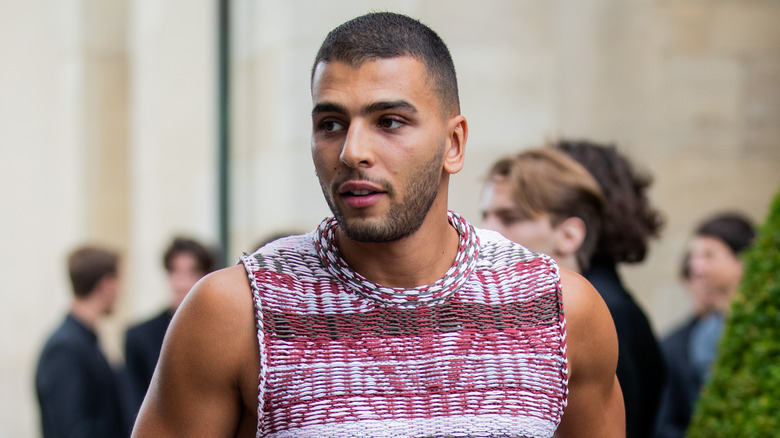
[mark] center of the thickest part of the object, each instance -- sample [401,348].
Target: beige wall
[108,129]
[107,133]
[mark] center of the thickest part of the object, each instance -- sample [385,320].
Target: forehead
[184,258]
[498,194]
[390,79]
[700,244]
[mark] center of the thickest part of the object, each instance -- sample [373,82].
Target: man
[77,389]
[395,317]
[713,272]
[186,261]
[629,222]
[546,201]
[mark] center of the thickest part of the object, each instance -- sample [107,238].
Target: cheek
[525,234]
[326,161]
[491,223]
[184,282]
[733,269]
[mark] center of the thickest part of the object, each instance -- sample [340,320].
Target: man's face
[109,286]
[500,213]
[714,268]
[183,275]
[378,142]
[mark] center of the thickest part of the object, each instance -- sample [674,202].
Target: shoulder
[286,246]
[217,314]
[492,240]
[218,296]
[66,350]
[212,335]
[66,339]
[497,251]
[208,367]
[296,255]
[58,350]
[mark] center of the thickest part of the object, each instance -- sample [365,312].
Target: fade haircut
[629,218]
[546,181]
[384,35]
[184,245]
[88,265]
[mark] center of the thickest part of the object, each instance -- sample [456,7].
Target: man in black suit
[77,389]
[185,261]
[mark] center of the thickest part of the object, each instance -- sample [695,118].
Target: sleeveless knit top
[479,353]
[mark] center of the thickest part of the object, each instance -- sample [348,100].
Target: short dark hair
[383,35]
[88,265]
[185,245]
[547,181]
[629,219]
[733,229]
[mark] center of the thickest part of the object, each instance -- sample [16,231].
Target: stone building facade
[108,129]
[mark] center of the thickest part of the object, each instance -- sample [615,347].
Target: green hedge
[743,397]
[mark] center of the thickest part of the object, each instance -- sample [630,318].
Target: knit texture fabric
[479,353]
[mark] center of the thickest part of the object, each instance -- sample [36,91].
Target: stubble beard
[403,218]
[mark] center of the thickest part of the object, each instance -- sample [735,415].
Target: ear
[570,234]
[458,132]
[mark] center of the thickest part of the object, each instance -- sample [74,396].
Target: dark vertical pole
[223,160]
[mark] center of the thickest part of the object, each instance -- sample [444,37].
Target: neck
[87,311]
[569,262]
[416,260]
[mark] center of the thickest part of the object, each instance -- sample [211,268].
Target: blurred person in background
[546,201]
[186,261]
[712,271]
[629,222]
[78,391]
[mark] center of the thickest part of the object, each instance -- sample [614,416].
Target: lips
[360,194]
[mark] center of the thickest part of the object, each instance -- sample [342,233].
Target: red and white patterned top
[480,353]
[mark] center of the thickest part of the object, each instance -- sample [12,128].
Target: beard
[404,217]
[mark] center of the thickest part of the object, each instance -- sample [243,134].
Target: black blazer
[77,389]
[640,369]
[143,343]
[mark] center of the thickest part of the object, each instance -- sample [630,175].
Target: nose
[357,149]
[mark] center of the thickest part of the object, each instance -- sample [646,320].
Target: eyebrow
[328,107]
[384,106]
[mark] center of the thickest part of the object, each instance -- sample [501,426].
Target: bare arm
[208,357]
[595,407]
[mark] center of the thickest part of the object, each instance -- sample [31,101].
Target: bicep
[195,388]
[595,406]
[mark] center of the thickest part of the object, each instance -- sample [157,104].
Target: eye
[389,123]
[331,126]
[509,219]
